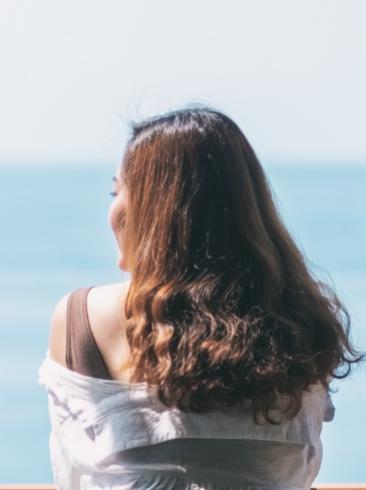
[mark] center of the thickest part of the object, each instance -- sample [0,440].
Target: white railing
[320,486]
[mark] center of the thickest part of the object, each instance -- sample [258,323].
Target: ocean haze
[55,237]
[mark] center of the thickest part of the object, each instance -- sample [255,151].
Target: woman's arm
[57,336]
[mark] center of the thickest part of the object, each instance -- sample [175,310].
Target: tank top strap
[82,352]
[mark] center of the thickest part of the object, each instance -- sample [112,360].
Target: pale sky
[291,73]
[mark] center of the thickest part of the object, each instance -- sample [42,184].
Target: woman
[210,367]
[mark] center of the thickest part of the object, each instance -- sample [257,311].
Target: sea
[55,237]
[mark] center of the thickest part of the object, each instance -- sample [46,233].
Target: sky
[291,73]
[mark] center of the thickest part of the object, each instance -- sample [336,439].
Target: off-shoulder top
[106,434]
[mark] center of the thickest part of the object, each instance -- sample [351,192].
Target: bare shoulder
[105,307]
[57,336]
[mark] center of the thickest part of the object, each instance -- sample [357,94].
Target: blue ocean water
[55,237]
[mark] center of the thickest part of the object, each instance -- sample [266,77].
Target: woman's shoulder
[105,313]
[105,306]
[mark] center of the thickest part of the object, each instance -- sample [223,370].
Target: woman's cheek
[113,216]
[117,216]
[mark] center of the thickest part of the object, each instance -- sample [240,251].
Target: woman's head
[196,192]
[221,303]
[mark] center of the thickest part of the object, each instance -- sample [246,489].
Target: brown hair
[221,305]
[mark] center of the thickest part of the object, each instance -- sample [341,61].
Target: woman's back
[102,316]
[106,430]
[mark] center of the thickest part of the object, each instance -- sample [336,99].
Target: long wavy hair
[221,307]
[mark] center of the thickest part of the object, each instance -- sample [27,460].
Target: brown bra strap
[82,352]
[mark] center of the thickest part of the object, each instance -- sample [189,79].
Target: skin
[104,303]
[117,212]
